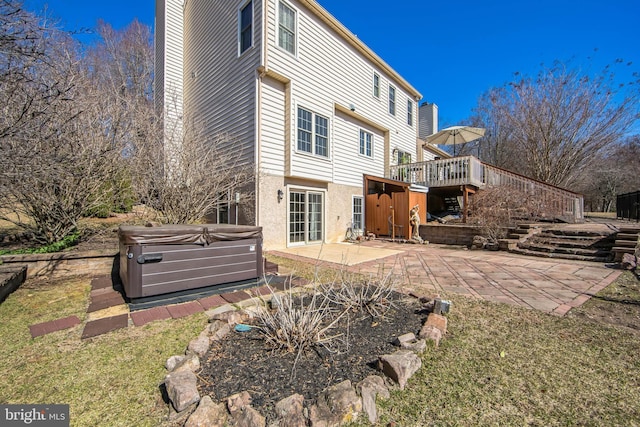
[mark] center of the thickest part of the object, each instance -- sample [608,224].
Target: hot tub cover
[200,234]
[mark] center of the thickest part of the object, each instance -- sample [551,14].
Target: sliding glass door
[306,219]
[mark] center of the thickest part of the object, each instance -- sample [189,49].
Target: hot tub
[175,258]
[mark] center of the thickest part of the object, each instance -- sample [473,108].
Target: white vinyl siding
[327,72]
[211,63]
[272,143]
[287,27]
[245,27]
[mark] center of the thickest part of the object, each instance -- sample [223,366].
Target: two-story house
[308,103]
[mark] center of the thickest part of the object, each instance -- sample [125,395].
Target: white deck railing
[469,170]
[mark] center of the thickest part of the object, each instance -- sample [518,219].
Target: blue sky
[451,51]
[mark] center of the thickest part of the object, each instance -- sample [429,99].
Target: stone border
[11,277]
[61,264]
[336,405]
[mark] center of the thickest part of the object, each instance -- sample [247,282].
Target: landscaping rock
[182,389]
[400,366]
[173,361]
[208,414]
[430,332]
[405,338]
[417,346]
[215,311]
[290,412]
[438,321]
[218,329]
[190,362]
[249,417]
[369,389]
[479,242]
[236,402]
[199,345]
[629,262]
[231,317]
[336,405]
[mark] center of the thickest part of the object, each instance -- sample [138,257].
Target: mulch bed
[243,362]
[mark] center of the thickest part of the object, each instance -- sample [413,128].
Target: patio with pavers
[549,285]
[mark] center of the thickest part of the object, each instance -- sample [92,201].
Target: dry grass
[109,380]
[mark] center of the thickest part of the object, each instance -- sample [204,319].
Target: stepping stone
[102,326]
[212,301]
[105,300]
[236,297]
[182,310]
[101,282]
[262,291]
[143,317]
[53,326]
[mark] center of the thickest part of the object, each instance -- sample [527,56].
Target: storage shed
[388,204]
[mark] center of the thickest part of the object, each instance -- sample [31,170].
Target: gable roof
[314,7]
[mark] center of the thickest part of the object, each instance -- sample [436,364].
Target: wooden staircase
[626,241]
[559,242]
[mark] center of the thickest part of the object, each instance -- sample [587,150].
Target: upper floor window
[313,133]
[287,28]
[246,27]
[392,100]
[409,112]
[376,85]
[366,143]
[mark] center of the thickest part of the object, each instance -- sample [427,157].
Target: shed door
[306,217]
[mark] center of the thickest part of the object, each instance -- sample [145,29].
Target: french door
[306,219]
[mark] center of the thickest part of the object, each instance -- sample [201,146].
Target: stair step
[626,243]
[625,250]
[635,229]
[571,243]
[563,250]
[627,236]
[578,233]
[561,256]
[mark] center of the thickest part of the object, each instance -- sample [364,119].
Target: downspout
[258,118]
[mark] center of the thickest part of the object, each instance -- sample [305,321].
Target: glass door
[306,219]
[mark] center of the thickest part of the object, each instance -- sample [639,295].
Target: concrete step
[571,243]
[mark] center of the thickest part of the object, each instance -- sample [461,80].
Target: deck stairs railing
[468,170]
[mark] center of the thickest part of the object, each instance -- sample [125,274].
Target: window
[376,85]
[313,139]
[246,27]
[409,112]
[403,157]
[392,100]
[287,28]
[366,143]
[357,219]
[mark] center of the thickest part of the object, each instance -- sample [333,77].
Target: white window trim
[253,11]
[353,205]
[295,29]
[313,135]
[410,113]
[362,130]
[395,99]
[306,189]
[374,85]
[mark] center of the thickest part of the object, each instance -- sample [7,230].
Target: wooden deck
[469,171]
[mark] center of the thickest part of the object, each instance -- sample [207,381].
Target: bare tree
[55,153]
[185,176]
[557,122]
